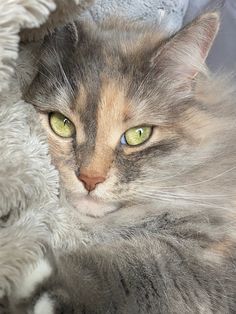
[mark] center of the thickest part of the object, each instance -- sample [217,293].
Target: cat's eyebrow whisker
[49,78]
[57,85]
[137,92]
[58,89]
[64,74]
[36,68]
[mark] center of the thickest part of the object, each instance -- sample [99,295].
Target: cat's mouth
[94,207]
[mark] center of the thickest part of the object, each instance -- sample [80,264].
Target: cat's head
[120,109]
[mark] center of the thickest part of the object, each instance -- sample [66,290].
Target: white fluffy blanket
[29,204]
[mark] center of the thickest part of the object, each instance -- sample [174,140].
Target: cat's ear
[184,54]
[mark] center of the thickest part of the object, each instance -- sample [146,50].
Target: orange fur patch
[112,111]
[223,248]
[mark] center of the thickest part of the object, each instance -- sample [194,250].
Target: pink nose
[90,182]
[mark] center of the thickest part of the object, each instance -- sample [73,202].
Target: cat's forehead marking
[114,98]
[111,111]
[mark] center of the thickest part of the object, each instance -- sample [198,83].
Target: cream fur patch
[44,305]
[34,277]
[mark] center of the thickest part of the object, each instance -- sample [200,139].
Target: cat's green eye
[61,125]
[136,136]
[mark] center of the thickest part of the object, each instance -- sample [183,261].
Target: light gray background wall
[223,53]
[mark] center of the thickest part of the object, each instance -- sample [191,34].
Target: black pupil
[140,131]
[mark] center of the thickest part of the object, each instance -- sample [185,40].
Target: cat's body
[159,217]
[159,266]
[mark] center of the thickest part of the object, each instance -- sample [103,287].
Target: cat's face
[119,111]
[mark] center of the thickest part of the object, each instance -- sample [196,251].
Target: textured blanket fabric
[169,13]
[15,15]
[29,204]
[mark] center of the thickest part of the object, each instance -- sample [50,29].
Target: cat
[143,138]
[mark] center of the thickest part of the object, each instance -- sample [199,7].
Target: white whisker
[171,198]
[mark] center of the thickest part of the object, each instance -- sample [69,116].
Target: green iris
[138,135]
[61,125]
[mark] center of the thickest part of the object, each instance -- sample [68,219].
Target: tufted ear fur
[183,56]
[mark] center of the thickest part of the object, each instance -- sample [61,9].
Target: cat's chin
[90,206]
